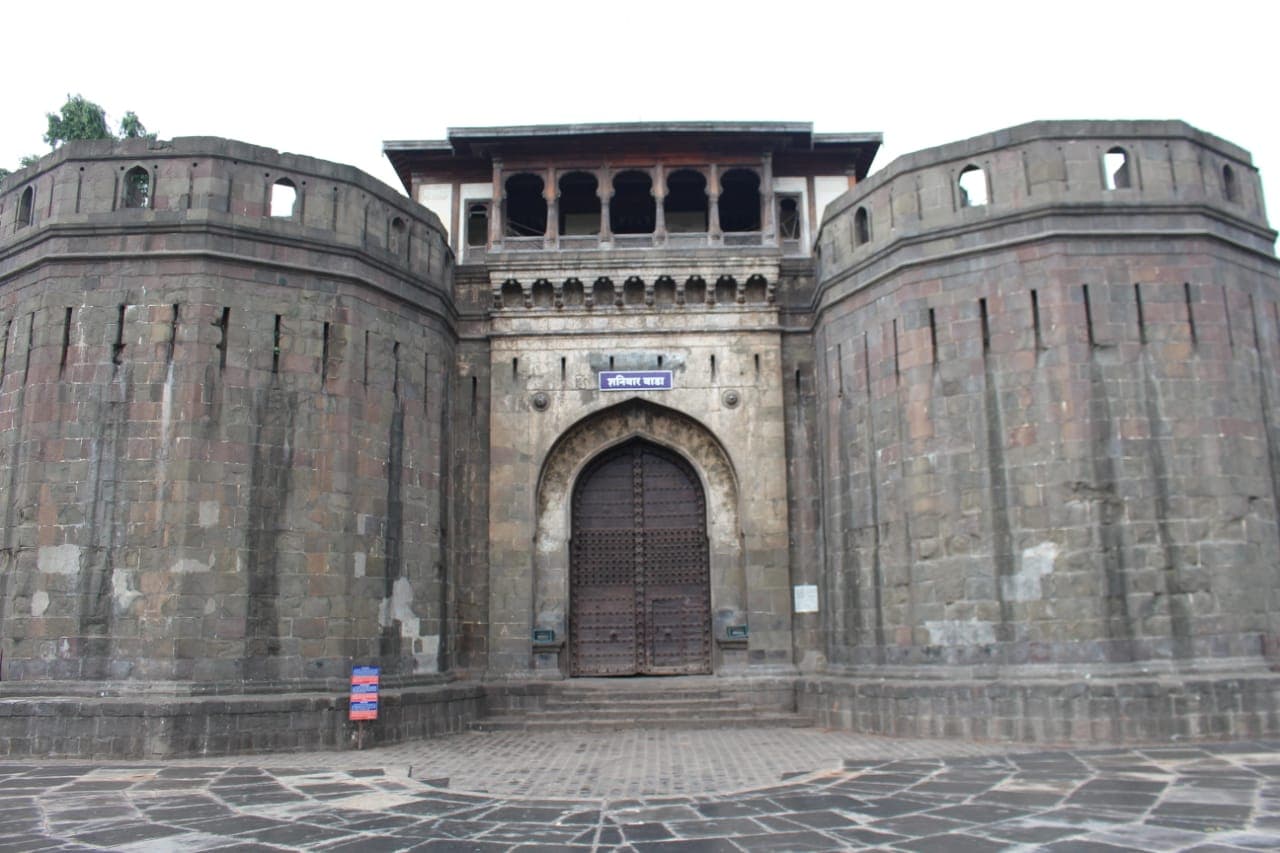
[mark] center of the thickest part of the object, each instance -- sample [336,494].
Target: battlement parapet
[219,184]
[1085,176]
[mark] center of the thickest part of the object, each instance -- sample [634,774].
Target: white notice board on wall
[806,598]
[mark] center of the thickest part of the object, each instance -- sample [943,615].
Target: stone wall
[1047,422]
[221,432]
[549,419]
[1017,427]
[152,727]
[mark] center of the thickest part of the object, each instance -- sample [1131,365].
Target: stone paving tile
[1202,798]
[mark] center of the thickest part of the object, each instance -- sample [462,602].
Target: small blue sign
[636,380]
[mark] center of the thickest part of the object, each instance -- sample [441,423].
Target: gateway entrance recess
[640,591]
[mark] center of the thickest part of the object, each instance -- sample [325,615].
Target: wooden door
[640,599]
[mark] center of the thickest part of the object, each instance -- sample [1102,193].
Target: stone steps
[538,722]
[610,705]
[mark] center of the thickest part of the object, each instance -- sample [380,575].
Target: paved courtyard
[735,790]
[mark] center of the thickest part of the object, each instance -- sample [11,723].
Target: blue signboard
[636,380]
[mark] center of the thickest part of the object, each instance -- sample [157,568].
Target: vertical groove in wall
[445,489]
[850,568]
[392,651]
[274,413]
[1175,595]
[15,462]
[997,482]
[905,477]
[873,471]
[1108,505]
[1259,366]
[97,559]
[805,486]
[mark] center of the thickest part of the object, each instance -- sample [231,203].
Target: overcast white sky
[334,79]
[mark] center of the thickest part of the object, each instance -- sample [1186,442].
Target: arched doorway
[640,591]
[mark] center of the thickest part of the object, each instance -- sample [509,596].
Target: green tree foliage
[131,127]
[78,119]
[83,119]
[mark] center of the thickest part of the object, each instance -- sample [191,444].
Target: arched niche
[608,428]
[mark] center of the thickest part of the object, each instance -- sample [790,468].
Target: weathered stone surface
[1024,450]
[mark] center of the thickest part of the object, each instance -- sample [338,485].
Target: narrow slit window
[275,347]
[973,186]
[1115,169]
[1230,188]
[284,198]
[861,227]
[398,237]
[117,348]
[66,343]
[26,206]
[224,325]
[137,188]
[324,355]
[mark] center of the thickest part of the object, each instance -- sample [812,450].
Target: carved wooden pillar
[604,190]
[767,235]
[659,199]
[551,193]
[497,215]
[713,205]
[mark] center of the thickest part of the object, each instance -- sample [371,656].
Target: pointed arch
[137,188]
[611,427]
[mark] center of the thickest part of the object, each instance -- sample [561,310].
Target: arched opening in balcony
[526,206]
[685,207]
[632,210]
[579,205]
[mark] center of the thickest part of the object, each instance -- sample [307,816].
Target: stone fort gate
[638,551]
[983,444]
